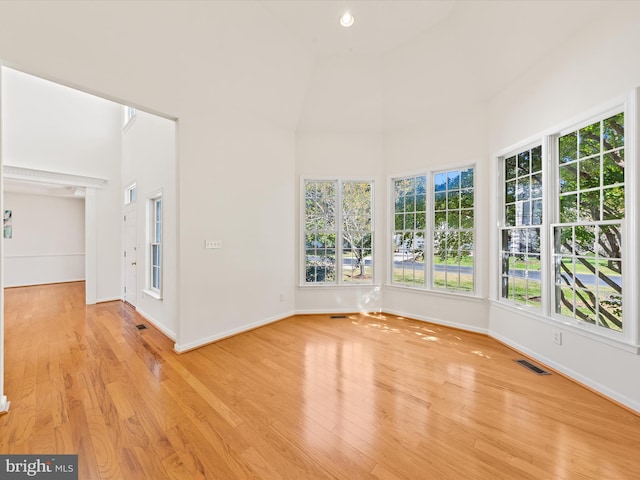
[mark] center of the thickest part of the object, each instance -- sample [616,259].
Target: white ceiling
[380,26]
[289,62]
[402,61]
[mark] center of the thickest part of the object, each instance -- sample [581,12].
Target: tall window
[338,232]
[410,216]
[130,194]
[585,225]
[587,241]
[453,230]
[155,273]
[522,221]
[448,240]
[129,113]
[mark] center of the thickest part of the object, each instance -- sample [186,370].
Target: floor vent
[338,316]
[142,326]
[532,367]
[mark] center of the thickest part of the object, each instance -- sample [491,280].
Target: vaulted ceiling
[290,62]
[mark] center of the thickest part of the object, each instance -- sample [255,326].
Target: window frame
[392,222]
[629,338]
[502,225]
[131,194]
[339,245]
[428,285]
[153,222]
[555,221]
[459,230]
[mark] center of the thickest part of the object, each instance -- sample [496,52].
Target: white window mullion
[428,232]
[631,284]
[550,215]
[339,234]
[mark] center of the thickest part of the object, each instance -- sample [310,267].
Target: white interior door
[130,255]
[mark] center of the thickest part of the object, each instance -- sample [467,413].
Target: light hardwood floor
[310,397]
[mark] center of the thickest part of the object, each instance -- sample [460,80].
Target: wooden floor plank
[364,397]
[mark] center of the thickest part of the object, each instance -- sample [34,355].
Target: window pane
[568,147]
[453,180]
[589,173]
[613,135]
[524,166]
[589,140]
[590,206]
[453,199]
[568,178]
[155,281]
[568,208]
[510,165]
[536,159]
[523,188]
[613,168]
[466,178]
[613,203]
[510,192]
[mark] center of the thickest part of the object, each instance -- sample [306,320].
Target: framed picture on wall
[7,226]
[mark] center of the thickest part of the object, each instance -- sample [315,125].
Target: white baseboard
[181,348]
[107,299]
[167,332]
[330,311]
[437,321]
[4,404]
[588,382]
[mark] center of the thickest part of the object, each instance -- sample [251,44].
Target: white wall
[356,156]
[149,160]
[237,188]
[48,240]
[598,66]
[50,127]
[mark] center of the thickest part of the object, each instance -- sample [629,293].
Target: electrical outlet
[282,297]
[557,337]
[212,244]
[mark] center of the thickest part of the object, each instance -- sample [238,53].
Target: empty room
[320,239]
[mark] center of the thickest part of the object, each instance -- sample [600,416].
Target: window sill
[441,293]
[582,330]
[152,294]
[344,285]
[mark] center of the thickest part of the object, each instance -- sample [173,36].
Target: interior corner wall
[597,67]
[357,156]
[452,137]
[47,126]
[149,161]
[47,242]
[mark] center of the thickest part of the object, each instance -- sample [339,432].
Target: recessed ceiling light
[346,20]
